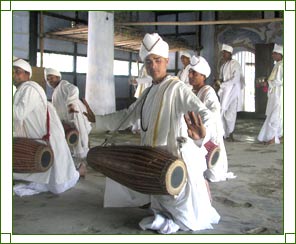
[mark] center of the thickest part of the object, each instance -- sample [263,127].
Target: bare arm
[89,114]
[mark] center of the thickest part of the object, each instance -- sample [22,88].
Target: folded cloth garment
[29,189]
[159,223]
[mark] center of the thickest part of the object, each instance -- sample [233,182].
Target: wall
[21,34]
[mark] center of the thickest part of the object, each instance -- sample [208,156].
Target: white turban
[185,53]
[153,44]
[278,49]
[200,65]
[23,65]
[50,71]
[227,48]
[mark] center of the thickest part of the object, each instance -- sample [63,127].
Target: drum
[71,133]
[213,154]
[31,156]
[141,168]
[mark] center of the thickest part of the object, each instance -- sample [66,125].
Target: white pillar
[100,88]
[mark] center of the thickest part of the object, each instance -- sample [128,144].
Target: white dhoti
[178,212]
[272,127]
[228,118]
[273,124]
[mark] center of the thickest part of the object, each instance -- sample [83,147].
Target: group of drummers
[182,118]
[59,124]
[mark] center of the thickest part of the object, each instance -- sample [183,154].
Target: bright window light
[60,62]
[136,67]
[81,66]
[120,67]
[247,62]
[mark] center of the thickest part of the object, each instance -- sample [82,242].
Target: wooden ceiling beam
[214,22]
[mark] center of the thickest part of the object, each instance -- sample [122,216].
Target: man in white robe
[230,91]
[183,73]
[198,73]
[30,108]
[65,99]
[161,108]
[272,129]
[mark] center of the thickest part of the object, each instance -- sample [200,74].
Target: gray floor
[250,204]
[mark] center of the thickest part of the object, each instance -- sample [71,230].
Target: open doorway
[247,62]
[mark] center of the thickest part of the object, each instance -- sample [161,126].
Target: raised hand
[195,126]
[89,114]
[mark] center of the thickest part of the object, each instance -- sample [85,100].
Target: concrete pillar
[208,42]
[100,88]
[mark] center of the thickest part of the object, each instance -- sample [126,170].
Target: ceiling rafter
[125,38]
[210,22]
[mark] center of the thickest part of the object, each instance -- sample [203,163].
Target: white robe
[29,117]
[183,75]
[230,94]
[63,95]
[162,114]
[219,172]
[273,124]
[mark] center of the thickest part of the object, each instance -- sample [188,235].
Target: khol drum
[71,133]
[213,154]
[141,168]
[31,156]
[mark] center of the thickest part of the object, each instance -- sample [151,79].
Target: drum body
[31,156]
[141,168]
[213,154]
[71,133]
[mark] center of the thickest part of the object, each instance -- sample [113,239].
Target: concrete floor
[250,204]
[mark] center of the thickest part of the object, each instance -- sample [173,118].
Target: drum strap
[139,101]
[46,137]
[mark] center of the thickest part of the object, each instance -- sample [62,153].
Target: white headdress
[278,49]
[23,65]
[227,48]
[185,53]
[200,65]
[51,71]
[153,44]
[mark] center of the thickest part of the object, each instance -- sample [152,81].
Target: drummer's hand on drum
[195,127]
[89,114]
